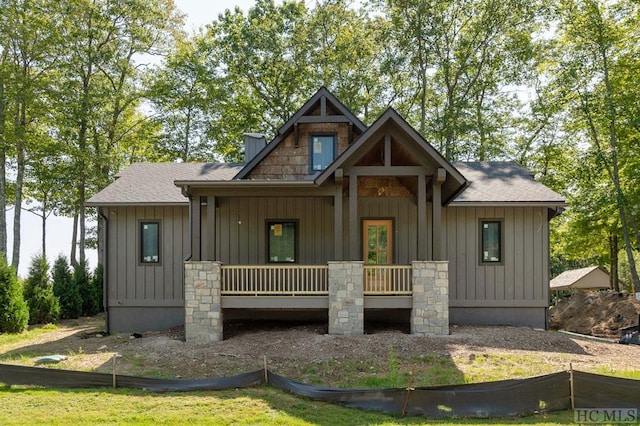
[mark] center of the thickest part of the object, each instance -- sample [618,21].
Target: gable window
[322,149]
[491,240]
[281,241]
[150,242]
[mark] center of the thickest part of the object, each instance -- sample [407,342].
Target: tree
[31,39]
[38,293]
[14,312]
[459,57]
[596,48]
[66,289]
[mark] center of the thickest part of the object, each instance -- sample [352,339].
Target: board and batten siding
[142,297]
[242,233]
[520,280]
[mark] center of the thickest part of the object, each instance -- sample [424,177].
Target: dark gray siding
[520,281]
[241,228]
[142,297]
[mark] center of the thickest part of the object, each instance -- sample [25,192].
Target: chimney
[253,144]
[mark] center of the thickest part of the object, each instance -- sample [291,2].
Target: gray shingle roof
[152,183]
[502,182]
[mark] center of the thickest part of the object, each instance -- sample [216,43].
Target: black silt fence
[505,398]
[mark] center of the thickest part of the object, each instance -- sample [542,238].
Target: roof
[497,183]
[502,182]
[592,277]
[153,183]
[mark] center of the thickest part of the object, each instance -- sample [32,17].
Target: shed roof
[592,277]
[502,182]
[153,183]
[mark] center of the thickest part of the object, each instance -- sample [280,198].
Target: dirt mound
[601,314]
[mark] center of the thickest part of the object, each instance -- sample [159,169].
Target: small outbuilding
[590,278]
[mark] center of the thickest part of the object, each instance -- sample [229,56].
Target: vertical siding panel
[508,255]
[545,254]
[481,270]
[252,224]
[448,238]
[529,236]
[430,232]
[519,242]
[538,263]
[131,237]
[113,251]
[226,206]
[329,247]
[466,268]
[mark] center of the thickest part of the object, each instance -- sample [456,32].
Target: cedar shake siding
[288,161]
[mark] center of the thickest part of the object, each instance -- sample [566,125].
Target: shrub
[14,313]
[84,282]
[98,289]
[38,293]
[64,286]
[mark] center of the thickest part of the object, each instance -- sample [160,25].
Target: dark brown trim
[482,221]
[385,170]
[314,119]
[139,244]
[333,155]
[296,239]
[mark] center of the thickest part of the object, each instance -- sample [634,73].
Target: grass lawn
[261,405]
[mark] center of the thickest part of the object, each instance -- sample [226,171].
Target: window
[281,240]
[150,242]
[491,233]
[322,149]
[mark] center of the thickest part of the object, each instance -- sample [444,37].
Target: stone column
[346,298]
[202,311]
[430,312]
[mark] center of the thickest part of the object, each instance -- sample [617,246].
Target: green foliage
[625,272]
[66,289]
[97,286]
[88,294]
[38,293]
[14,312]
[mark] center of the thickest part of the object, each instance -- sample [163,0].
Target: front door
[377,250]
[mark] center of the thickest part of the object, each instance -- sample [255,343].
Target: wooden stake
[266,376]
[114,370]
[409,388]
[571,395]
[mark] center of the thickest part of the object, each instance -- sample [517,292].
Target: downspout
[105,286]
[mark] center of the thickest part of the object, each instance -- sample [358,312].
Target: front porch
[344,288]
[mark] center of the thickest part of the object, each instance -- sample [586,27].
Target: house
[331,217]
[589,278]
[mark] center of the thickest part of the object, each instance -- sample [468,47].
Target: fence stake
[571,395]
[114,370]
[409,388]
[266,376]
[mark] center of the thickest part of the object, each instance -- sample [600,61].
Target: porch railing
[285,280]
[387,280]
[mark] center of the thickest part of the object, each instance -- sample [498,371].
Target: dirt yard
[304,350]
[595,313]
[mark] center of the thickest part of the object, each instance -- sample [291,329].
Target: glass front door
[377,250]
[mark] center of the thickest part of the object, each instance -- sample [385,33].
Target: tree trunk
[614,264]
[21,120]
[3,175]
[74,241]
[44,226]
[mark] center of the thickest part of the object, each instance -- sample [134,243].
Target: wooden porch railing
[286,280]
[387,280]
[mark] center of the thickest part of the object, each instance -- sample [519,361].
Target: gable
[287,155]
[391,147]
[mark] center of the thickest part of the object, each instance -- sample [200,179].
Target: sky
[59,229]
